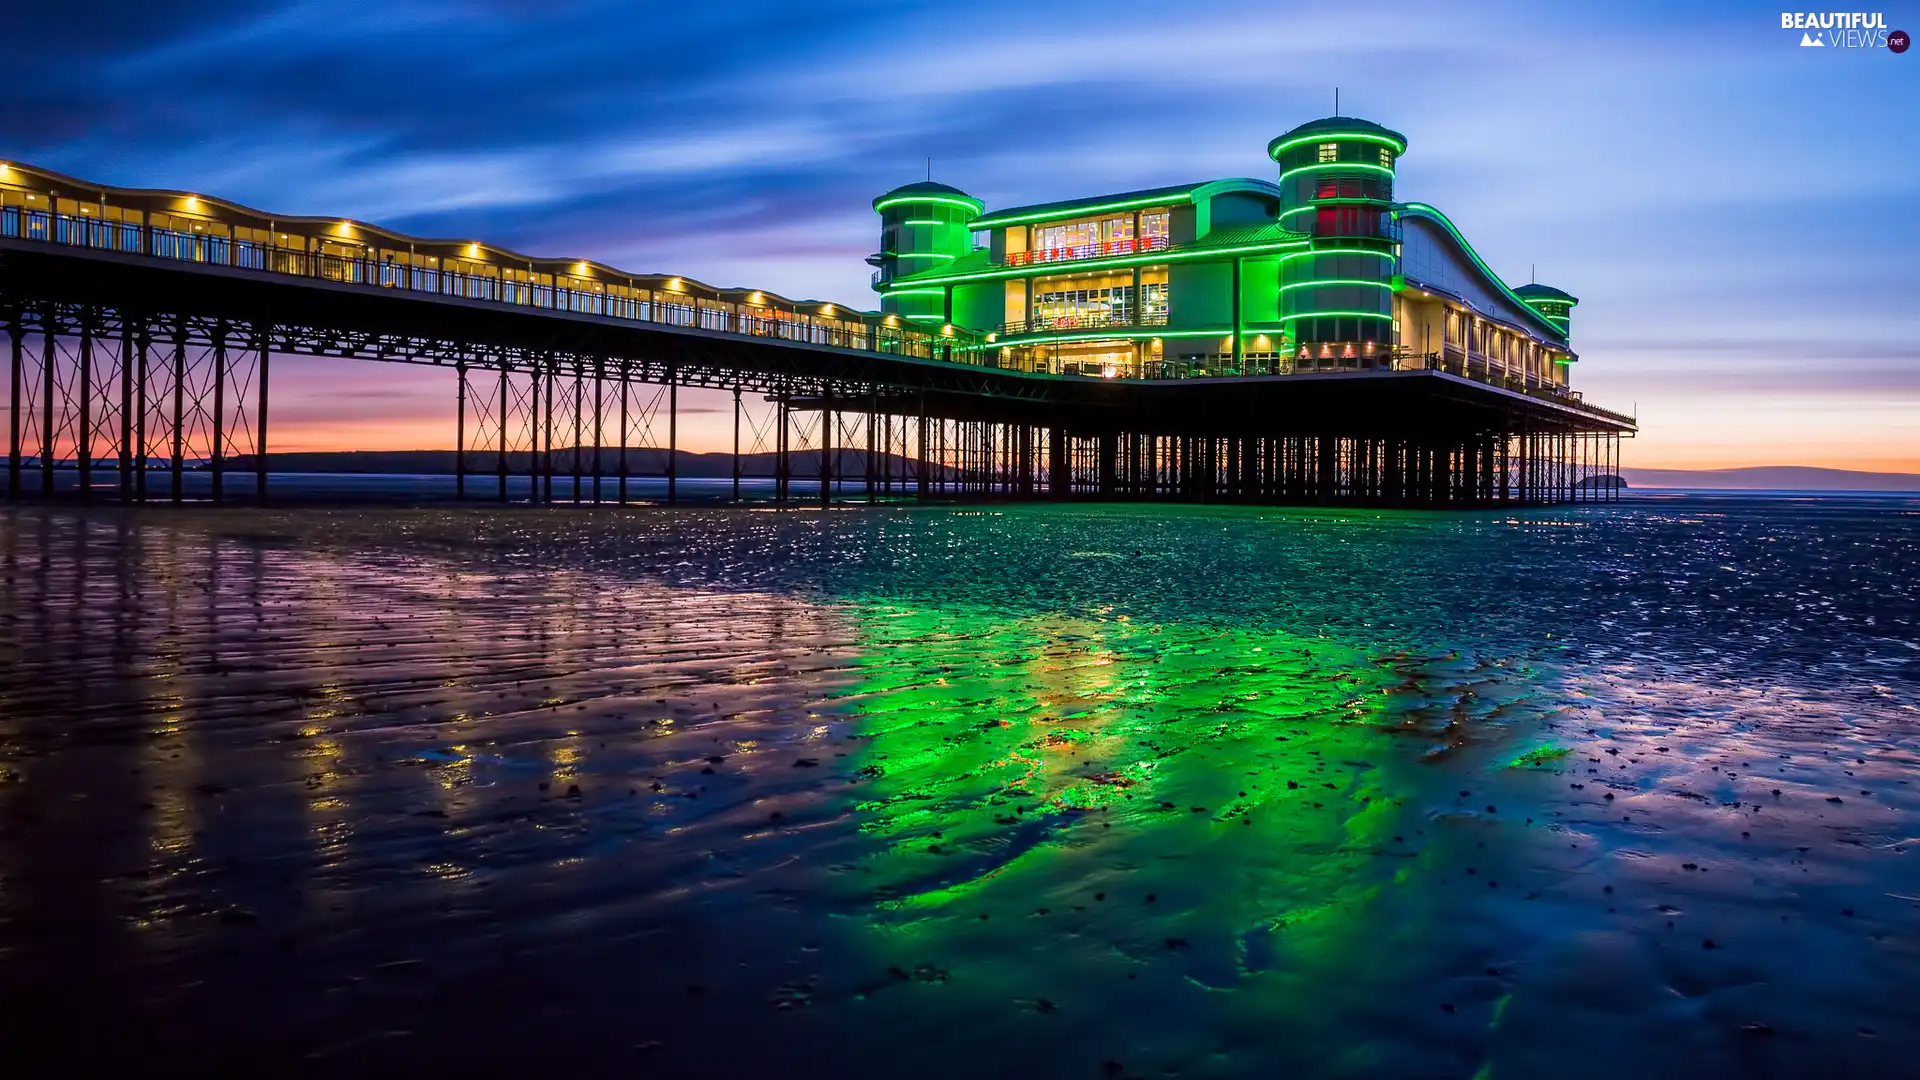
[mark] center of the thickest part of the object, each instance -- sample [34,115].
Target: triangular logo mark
[1809,41]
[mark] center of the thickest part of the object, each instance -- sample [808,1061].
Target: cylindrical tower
[1551,303]
[923,227]
[1336,186]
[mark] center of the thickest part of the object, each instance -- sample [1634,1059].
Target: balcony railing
[1083,321]
[1086,251]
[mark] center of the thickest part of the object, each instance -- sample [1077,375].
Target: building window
[1084,307]
[1154,227]
[1153,302]
[1329,152]
[1386,158]
[1078,234]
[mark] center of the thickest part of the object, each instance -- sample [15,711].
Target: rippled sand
[1041,791]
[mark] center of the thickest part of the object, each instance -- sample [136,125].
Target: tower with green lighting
[1336,189]
[1557,306]
[924,228]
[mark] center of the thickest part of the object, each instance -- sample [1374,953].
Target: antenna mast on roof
[1336,101]
[1533,273]
[929,169]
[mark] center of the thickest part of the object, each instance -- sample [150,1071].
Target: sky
[1735,211]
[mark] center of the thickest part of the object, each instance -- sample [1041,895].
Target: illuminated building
[1319,269]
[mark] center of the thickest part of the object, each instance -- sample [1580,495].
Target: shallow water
[1027,791]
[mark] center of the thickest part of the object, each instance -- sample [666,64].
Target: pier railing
[661,307]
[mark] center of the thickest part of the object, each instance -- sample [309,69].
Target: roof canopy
[1544,292]
[928,191]
[1333,127]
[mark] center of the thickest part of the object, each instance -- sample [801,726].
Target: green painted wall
[1199,295]
[1260,294]
[980,306]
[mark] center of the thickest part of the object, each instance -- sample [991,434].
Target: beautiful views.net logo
[1844,30]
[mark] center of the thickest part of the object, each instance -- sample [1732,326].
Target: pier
[141,326]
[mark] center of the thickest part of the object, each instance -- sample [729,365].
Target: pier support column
[736,444]
[673,433]
[141,344]
[781,462]
[83,433]
[262,341]
[178,460]
[500,431]
[826,449]
[920,477]
[14,404]
[621,466]
[533,436]
[1109,463]
[1486,493]
[546,424]
[124,471]
[872,463]
[49,359]
[218,462]
[1059,477]
[579,408]
[599,422]
[1329,462]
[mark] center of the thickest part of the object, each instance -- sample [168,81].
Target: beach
[944,791]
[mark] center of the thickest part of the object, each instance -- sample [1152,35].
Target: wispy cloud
[1726,206]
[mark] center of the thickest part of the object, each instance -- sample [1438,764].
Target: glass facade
[1120,298]
[1093,237]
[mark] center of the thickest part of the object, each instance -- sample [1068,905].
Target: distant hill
[641,461]
[1773,478]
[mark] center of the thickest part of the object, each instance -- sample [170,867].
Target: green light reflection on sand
[1076,765]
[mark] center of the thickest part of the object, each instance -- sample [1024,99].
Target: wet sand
[1041,791]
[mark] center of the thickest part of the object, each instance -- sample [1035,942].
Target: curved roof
[933,190]
[1331,126]
[1543,292]
[1422,210]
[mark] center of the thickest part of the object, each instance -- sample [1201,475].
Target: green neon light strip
[1034,339]
[913,292]
[1337,281]
[1335,251]
[1336,315]
[1172,255]
[921,255]
[909,199]
[993,221]
[1334,165]
[923,221]
[1342,136]
[1423,210]
[1317,203]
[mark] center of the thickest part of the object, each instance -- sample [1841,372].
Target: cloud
[1725,206]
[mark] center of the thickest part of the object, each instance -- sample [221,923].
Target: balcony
[1049,324]
[1086,251]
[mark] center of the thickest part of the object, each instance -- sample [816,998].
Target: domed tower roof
[932,190]
[1327,126]
[1531,293]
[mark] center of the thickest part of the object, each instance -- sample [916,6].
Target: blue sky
[1734,211]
